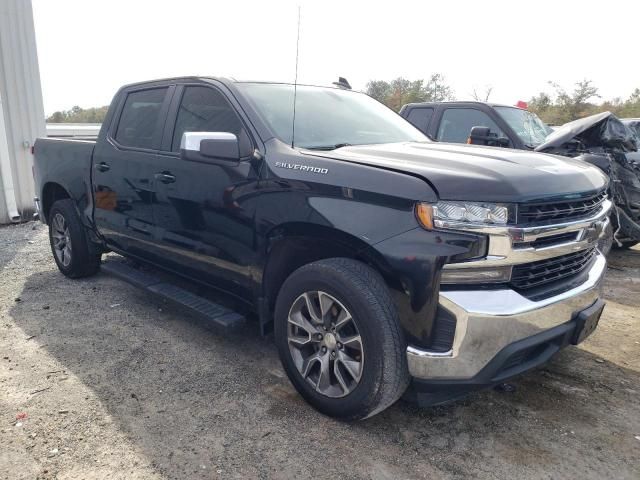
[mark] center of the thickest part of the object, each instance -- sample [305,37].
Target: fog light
[476,275]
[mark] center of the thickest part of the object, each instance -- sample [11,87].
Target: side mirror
[209,146]
[483,136]
[479,136]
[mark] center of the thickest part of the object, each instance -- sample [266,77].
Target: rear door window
[456,124]
[140,117]
[420,118]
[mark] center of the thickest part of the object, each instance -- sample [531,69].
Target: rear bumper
[490,323]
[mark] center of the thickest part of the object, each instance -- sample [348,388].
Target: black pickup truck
[379,259]
[452,122]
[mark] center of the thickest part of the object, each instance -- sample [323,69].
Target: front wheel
[339,338]
[69,243]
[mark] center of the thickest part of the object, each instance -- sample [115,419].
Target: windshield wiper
[328,147]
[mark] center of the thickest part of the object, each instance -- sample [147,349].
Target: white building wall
[21,109]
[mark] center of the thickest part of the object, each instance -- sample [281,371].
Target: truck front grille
[541,212]
[534,274]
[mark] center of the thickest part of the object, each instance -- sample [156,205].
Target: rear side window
[139,118]
[204,109]
[456,124]
[420,118]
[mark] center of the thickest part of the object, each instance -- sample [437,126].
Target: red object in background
[21,416]
[522,104]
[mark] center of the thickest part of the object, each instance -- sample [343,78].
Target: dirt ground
[99,381]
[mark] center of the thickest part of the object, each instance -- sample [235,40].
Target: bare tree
[482,96]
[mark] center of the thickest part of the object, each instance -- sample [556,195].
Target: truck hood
[477,173]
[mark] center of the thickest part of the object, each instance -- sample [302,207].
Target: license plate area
[587,321]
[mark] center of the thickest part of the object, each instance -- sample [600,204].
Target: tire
[360,291]
[69,244]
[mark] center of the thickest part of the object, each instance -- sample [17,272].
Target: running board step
[221,318]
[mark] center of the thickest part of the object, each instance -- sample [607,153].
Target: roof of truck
[169,79]
[199,78]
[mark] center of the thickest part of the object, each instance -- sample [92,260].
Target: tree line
[554,106]
[398,92]
[79,115]
[561,106]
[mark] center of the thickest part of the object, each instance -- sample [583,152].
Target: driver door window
[204,109]
[456,123]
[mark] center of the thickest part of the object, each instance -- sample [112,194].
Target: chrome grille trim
[512,245]
[542,272]
[535,213]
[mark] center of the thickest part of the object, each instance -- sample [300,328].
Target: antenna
[295,84]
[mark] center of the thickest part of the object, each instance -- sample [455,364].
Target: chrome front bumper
[488,321]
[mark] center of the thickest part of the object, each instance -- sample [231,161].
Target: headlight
[467,216]
[444,214]
[466,212]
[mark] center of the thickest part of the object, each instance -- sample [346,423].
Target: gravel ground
[99,381]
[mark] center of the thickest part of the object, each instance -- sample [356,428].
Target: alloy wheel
[61,239]
[325,344]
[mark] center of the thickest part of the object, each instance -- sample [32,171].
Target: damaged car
[605,141]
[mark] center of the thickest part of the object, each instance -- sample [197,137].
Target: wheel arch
[292,245]
[51,193]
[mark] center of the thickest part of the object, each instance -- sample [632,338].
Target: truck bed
[64,162]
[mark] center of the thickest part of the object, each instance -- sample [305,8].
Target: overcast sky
[88,48]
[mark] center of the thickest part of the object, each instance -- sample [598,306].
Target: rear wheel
[339,338]
[69,243]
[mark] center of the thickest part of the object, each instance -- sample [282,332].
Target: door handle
[103,167]
[165,177]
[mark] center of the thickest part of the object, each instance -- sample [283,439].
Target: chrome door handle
[165,177]
[102,167]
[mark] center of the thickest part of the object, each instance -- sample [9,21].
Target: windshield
[327,118]
[528,126]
